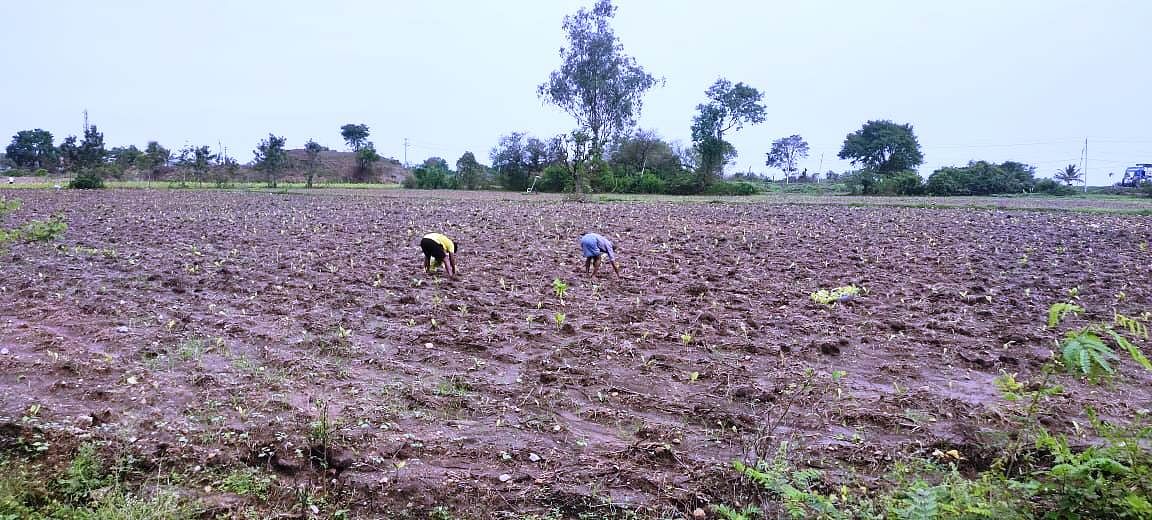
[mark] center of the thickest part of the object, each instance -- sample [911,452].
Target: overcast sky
[1024,80]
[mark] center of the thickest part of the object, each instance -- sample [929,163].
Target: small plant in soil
[559,319]
[839,294]
[559,288]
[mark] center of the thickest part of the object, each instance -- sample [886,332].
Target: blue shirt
[593,245]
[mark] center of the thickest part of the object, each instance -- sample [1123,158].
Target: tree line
[91,163]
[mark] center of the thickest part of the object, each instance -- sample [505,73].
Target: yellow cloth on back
[444,241]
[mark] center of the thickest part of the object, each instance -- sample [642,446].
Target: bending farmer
[439,249]
[596,249]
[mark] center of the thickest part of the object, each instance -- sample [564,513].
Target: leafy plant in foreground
[1085,351]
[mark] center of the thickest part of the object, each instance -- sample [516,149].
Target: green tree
[91,152]
[644,151]
[469,172]
[312,151]
[125,157]
[198,160]
[1069,174]
[271,158]
[884,147]
[355,135]
[32,149]
[785,152]
[432,174]
[366,159]
[597,84]
[728,109]
[154,160]
[509,160]
[69,153]
[224,172]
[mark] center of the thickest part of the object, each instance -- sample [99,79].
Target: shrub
[87,180]
[555,179]
[684,184]
[727,188]
[902,183]
[867,182]
[860,182]
[1051,187]
[650,183]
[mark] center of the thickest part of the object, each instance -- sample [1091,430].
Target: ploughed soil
[299,335]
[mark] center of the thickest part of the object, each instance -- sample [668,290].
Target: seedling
[559,288]
[686,338]
[839,294]
[559,319]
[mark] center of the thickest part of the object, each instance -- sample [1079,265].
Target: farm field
[294,337]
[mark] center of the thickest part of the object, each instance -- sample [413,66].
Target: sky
[996,80]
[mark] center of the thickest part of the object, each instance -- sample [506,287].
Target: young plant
[559,319]
[559,288]
[839,294]
[1085,351]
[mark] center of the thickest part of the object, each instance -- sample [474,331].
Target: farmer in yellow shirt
[439,249]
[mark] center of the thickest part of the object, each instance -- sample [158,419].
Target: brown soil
[214,329]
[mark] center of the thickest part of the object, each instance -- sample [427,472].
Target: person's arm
[450,265]
[611,250]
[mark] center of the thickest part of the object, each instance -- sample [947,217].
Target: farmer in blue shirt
[596,249]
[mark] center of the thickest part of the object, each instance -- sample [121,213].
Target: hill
[341,166]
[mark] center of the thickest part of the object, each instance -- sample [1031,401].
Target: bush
[87,180]
[650,183]
[867,182]
[684,184]
[1051,187]
[903,183]
[982,178]
[554,179]
[433,177]
[860,182]
[727,188]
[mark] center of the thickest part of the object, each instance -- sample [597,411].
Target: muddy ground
[297,334]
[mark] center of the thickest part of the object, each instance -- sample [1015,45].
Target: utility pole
[405,152]
[85,121]
[1085,165]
